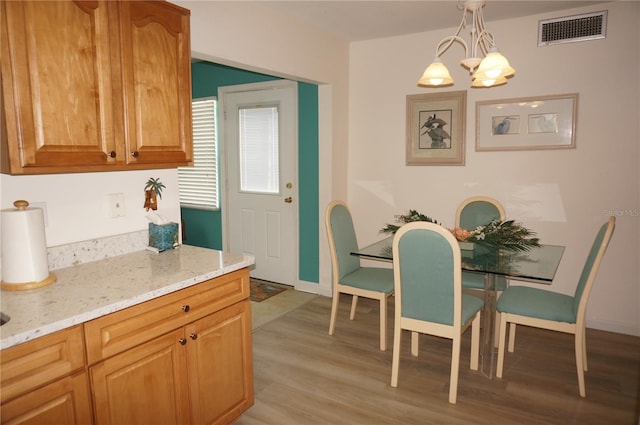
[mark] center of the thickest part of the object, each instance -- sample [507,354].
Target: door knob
[288,200]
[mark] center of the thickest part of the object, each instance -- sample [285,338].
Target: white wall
[233,33]
[362,128]
[249,36]
[564,195]
[76,204]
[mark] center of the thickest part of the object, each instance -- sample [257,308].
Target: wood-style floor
[304,376]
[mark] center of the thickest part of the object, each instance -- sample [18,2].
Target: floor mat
[262,289]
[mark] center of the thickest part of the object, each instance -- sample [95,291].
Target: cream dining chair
[349,277]
[545,309]
[428,295]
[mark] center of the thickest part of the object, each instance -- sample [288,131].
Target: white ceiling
[364,20]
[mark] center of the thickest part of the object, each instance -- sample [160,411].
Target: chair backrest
[478,211]
[342,240]
[427,273]
[591,266]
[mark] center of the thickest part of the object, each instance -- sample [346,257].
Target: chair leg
[496,334]
[497,324]
[512,337]
[584,349]
[395,363]
[383,322]
[501,343]
[334,312]
[455,368]
[579,342]
[354,304]
[414,343]
[475,342]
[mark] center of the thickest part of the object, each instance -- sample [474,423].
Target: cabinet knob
[182,341]
[193,336]
[112,154]
[186,308]
[135,154]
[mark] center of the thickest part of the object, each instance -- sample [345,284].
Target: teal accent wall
[204,228]
[309,182]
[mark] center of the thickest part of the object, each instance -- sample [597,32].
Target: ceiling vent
[588,26]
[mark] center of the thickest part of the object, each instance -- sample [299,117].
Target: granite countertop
[87,291]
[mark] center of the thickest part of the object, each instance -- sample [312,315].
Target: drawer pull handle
[182,341]
[186,308]
[112,154]
[193,336]
[135,154]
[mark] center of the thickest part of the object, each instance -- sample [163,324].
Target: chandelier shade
[494,65]
[487,66]
[488,82]
[436,74]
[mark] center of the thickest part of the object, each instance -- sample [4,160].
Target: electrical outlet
[115,202]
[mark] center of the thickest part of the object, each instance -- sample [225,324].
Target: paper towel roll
[24,248]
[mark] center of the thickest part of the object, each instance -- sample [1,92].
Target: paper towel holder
[21,206]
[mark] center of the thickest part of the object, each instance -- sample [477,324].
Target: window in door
[259,155]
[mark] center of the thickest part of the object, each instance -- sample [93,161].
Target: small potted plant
[153,190]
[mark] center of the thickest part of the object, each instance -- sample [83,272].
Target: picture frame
[528,123]
[436,128]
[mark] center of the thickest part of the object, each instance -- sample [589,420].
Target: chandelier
[487,70]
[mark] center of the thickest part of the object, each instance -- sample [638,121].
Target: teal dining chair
[471,213]
[349,277]
[549,310]
[428,295]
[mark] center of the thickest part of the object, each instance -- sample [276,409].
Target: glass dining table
[538,265]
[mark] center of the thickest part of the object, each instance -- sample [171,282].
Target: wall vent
[588,26]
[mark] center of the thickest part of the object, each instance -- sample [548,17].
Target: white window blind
[198,185]
[259,149]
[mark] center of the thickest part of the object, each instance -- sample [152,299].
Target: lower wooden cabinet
[147,384]
[182,358]
[44,381]
[220,365]
[65,401]
[201,374]
[179,359]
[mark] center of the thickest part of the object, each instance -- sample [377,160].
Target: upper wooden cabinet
[95,86]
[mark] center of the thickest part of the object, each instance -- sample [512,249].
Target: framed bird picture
[527,123]
[436,128]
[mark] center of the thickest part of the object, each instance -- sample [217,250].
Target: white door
[261,205]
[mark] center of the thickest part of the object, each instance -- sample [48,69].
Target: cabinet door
[65,401]
[145,385]
[43,360]
[57,84]
[220,365]
[156,66]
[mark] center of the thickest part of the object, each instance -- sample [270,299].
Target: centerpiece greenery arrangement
[497,233]
[413,215]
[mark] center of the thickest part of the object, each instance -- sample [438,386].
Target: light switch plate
[115,202]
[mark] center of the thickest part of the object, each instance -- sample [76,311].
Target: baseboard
[613,327]
[313,288]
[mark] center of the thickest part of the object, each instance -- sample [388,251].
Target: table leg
[487,345]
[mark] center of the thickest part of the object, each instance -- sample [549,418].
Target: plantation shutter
[198,185]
